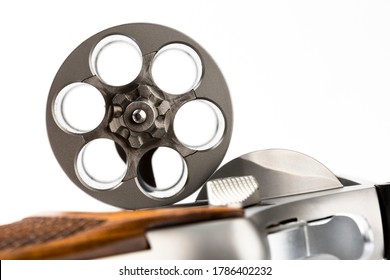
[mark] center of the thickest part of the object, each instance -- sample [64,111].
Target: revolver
[271,204]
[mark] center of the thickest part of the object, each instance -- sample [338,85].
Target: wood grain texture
[78,235]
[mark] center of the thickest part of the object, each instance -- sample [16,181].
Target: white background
[312,76]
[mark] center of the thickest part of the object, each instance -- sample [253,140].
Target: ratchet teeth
[233,191]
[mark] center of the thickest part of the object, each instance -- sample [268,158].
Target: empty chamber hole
[177,69]
[79,108]
[199,125]
[162,172]
[99,164]
[116,60]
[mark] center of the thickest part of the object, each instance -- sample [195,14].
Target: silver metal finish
[225,239]
[354,224]
[242,191]
[139,116]
[331,222]
[341,237]
[279,173]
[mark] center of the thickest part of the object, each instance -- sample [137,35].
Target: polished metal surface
[279,173]
[338,237]
[219,240]
[290,219]
[139,118]
[359,230]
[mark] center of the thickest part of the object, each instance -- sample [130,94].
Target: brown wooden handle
[77,235]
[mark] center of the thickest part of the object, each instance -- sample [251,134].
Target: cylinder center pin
[139,116]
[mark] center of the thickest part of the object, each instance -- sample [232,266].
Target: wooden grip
[77,235]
